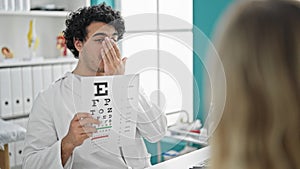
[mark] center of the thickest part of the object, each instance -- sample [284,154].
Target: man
[58,135]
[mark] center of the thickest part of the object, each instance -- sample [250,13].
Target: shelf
[16,63]
[201,140]
[35,13]
[26,115]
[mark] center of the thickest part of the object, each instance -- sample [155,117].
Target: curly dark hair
[78,20]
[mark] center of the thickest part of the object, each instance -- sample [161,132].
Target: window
[159,45]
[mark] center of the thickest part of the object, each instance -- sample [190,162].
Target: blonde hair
[260,52]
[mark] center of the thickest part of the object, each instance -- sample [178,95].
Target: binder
[5,93]
[19,145]
[47,76]
[11,153]
[27,89]
[37,80]
[16,91]
[56,71]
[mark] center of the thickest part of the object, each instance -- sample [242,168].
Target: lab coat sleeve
[152,122]
[42,146]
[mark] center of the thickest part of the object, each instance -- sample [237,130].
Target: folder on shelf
[56,71]
[5,93]
[16,90]
[19,145]
[47,75]
[27,89]
[11,153]
[37,80]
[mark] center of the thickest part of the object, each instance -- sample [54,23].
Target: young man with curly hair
[57,135]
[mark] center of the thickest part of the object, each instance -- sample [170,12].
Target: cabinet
[20,82]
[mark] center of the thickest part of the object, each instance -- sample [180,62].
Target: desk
[184,161]
[4,158]
[9,133]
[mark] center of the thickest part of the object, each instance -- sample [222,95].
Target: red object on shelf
[195,131]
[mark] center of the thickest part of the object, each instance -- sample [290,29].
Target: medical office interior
[160,30]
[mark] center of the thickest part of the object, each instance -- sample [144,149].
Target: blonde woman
[260,51]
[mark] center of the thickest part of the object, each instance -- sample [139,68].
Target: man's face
[90,55]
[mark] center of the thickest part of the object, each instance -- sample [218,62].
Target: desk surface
[184,161]
[10,132]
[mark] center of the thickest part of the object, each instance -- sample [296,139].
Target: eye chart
[113,100]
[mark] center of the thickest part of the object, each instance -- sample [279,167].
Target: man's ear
[78,44]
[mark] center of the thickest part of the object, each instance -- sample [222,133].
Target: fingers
[88,121]
[85,131]
[109,51]
[83,123]
[104,57]
[79,116]
[124,60]
[117,50]
[89,130]
[85,118]
[81,128]
[112,62]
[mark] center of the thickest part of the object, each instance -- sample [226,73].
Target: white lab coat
[49,122]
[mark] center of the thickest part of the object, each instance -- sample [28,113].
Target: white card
[113,100]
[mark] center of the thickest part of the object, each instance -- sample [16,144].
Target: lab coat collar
[72,82]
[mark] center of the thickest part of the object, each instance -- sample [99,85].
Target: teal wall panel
[108,2]
[166,145]
[206,14]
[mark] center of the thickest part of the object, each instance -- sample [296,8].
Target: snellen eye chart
[113,100]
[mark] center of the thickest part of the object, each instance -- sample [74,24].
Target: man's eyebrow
[100,34]
[104,34]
